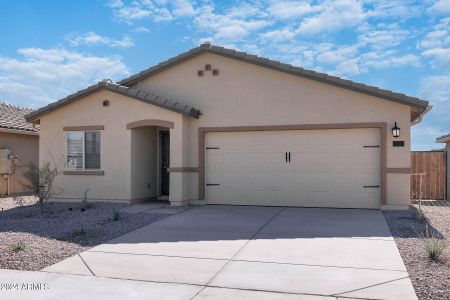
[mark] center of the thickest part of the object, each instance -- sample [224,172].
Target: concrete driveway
[235,252]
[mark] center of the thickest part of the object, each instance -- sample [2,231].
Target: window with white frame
[83,150]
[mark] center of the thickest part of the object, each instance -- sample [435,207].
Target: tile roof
[12,117]
[420,105]
[140,95]
[443,139]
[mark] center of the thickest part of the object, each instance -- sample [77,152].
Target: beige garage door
[316,168]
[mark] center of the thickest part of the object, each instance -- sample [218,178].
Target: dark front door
[164,139]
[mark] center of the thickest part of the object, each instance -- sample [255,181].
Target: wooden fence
[434,182]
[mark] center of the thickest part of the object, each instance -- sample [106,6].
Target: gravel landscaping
[31,241]
[430,278]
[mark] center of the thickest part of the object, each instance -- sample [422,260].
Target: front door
[164,139]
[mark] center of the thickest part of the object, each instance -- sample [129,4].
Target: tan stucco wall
[116,143]
[248,95]
[27,149]
[143,163]
[241,95]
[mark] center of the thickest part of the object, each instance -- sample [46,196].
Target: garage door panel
[328,168]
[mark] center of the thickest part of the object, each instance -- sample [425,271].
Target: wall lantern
[395,131]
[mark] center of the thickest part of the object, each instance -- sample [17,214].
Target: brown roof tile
[13,117]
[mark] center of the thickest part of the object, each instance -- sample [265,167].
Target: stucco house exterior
[19,145]
[445,139]
[218,126]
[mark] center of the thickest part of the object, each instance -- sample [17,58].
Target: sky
[51,48]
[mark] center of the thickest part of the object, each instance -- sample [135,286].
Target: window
[83,150]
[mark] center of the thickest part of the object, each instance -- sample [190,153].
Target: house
[446,140]
[19,145]
[218,126]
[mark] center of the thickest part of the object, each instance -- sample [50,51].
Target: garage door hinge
[211,148]
[371,146]
[210,184]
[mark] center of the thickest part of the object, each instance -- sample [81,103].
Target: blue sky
[49,49]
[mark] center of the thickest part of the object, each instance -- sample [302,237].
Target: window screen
[83,150]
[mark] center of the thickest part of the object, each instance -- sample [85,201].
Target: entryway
[150,160]
[164,159]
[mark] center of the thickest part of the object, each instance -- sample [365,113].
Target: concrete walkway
[232,252]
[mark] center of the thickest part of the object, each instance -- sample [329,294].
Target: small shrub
[41,181]
[420,217]
[19,200]
[434,244]
[79,232]
[20,246]
[86,204]
[116,215]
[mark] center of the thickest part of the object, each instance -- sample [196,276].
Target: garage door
[315,168]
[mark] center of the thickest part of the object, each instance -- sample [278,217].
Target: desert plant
[20,246]
[434,243]
[86,204]
[420,216]
[116,215]
[41,180]
[19,200]
[79,232]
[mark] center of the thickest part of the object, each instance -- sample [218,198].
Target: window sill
[84,172]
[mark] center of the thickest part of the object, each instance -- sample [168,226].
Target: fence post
[447,171]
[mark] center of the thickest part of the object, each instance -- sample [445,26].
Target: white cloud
[398,9]
[384,60]
[385,38]
[439,55]
[290,9]
[436,89]
[438,36]
[436,44]
[333,16]
[278,35]
[92,38]
[182,8]
[141,29]
[225,27]
[40,76]
[156,10]
[440,7]
[115,3]
[424,136]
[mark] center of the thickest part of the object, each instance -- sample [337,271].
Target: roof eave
[18,131]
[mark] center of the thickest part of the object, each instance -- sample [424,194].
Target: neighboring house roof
[420,106]
[12,119]
[443,139]
[143,96]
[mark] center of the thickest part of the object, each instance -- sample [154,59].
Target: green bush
[116,215]
[20,246]
[434,244]
[80,232]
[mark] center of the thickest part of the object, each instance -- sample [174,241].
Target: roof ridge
[444,138]
[279,66]
[15,106]
[142,95]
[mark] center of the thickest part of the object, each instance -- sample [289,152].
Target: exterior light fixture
[395,131]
